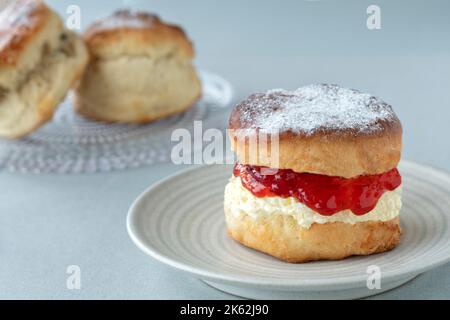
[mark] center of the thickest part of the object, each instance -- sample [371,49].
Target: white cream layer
[240,201]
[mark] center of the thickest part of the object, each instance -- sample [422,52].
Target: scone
[323,183]
[140,70]
[39,62]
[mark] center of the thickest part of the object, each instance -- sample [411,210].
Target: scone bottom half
[335,191]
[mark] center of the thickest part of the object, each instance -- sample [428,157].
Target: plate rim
[327,284]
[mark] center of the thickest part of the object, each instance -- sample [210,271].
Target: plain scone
[140,70]
[39,61]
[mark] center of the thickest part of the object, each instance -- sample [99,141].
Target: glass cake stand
[73,144]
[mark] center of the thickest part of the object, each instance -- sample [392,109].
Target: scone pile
[129,67]
[330,189]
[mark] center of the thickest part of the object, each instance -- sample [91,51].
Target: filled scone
[141,70]
[39,61]
[330,187]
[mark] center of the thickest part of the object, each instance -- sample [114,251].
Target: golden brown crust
[323,129]
[126,32]
[281,237]
[20,21]
[334,155]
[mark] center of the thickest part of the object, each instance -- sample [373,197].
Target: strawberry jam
[325,195]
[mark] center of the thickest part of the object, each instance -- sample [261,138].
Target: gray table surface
[48,222]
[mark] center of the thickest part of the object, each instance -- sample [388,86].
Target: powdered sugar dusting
[17,20]
[126,19]
[318,107]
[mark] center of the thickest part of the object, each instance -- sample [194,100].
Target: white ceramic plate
[180,222]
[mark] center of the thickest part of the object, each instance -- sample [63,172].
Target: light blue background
[48,222]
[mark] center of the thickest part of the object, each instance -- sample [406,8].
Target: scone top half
[321,129]
[141,70]
[39,61]
[136,33]
[25,24]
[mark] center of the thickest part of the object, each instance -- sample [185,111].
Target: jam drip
[325,195]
